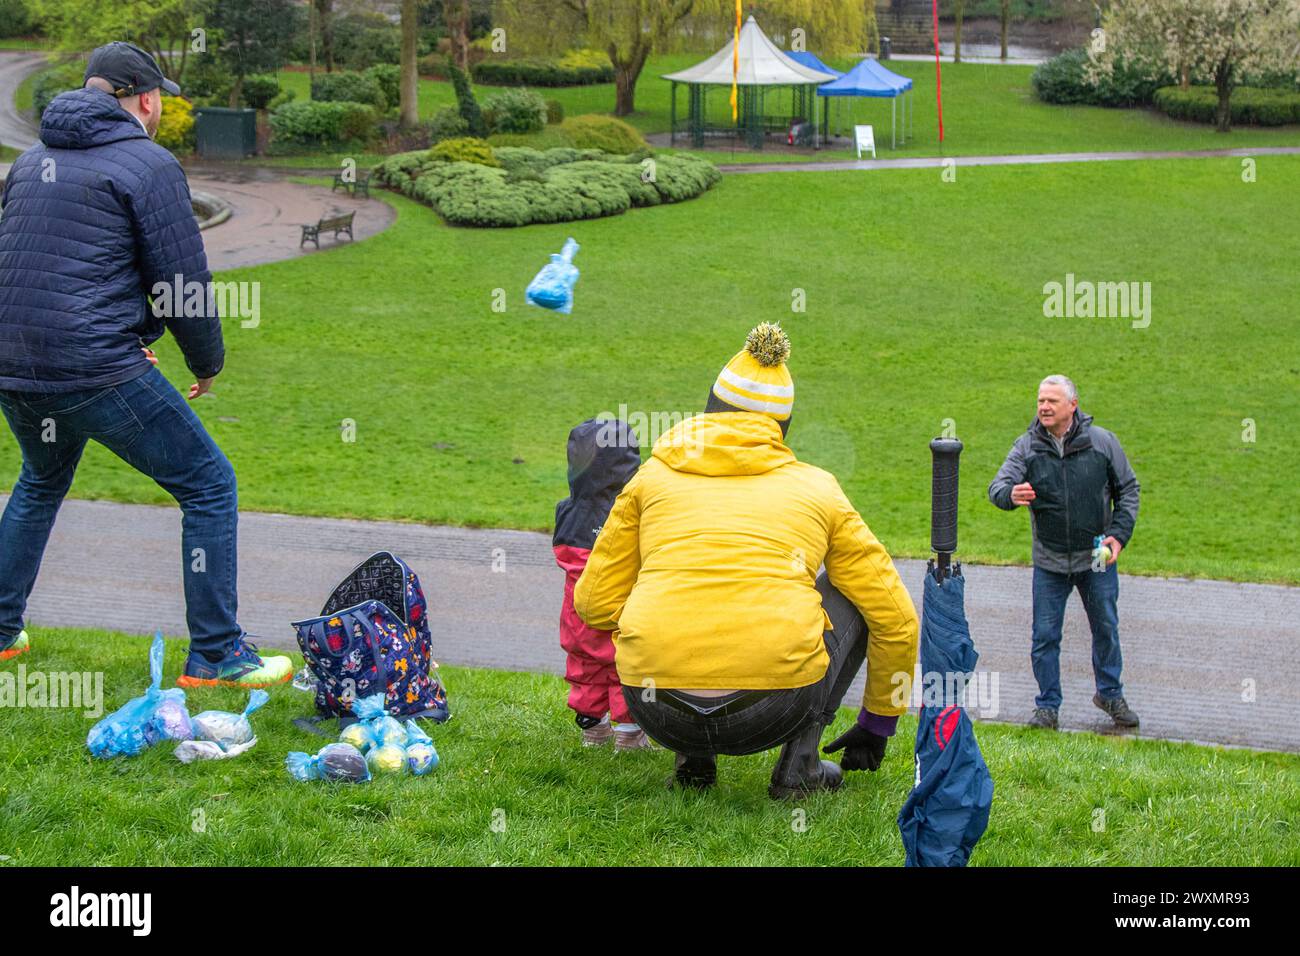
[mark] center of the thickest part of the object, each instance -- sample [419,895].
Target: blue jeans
[1099,591]
[150,426]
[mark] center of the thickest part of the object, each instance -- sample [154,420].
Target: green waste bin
[222,133]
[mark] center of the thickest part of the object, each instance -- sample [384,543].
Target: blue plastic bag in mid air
[552,287]
[133,727]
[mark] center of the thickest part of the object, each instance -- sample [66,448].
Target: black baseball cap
[130,69]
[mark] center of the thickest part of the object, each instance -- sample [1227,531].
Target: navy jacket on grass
[94,216]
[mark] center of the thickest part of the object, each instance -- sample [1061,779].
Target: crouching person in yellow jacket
[728,641]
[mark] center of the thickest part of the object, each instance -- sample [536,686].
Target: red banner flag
[938,77]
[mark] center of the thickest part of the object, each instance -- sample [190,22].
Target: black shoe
[799,771]
[694,773]
[1118,710]
[1044,718]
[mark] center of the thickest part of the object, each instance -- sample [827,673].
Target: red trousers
[594,687]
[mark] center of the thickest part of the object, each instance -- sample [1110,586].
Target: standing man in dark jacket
[95,217]
[1079,488]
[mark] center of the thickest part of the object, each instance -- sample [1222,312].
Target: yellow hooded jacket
[706,568]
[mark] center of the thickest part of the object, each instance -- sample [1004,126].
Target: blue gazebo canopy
[810,60]
[868,78]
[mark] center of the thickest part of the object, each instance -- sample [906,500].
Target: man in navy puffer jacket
[95,217]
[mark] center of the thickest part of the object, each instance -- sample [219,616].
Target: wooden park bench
[341,222]
[360,183]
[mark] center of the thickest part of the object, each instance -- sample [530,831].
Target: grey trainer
[1044,717]
[1118,710]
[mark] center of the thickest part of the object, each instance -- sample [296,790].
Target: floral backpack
[373,637]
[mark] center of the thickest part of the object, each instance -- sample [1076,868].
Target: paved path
[1188,645]
[1029,159]
[16,130]
[267,211]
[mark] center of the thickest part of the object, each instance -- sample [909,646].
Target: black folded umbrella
[948,808]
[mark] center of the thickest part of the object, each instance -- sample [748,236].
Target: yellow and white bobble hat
[756,379]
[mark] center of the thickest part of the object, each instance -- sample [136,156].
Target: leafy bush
[554,112]
[51,83]
[1065,79]
[432,64]
[593,131]
[17,19]
[328,124]
[1249,106]
[447,123]
[534,186]
[514,159]
[348,88]
[551,137]
[388,76]
[576,68]
[176,125]
[516,111]
[587,59]
[207,82]
[259,91]
[465,101]
[467,149]
[363,39]
[284,96]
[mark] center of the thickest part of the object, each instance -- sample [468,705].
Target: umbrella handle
[945,456]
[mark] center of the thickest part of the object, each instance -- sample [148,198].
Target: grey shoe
[625,740]
[1117,709]
[1044,718]
[598,735]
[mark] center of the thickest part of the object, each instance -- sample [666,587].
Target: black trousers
[750,721]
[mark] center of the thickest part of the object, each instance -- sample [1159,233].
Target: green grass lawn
[23,93]
[8,154]
[511,755]
[26,43]
[988,109]
[924,303]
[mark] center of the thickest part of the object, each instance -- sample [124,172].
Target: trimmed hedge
[1063,80]
[551,137]
[544,186]
[447,123]
[593,131]
[467,149]
[259,91]
[516,111]
[348,88]
[1249,106]
[576,68]
[318,125]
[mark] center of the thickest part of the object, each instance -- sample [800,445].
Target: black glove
[863,750]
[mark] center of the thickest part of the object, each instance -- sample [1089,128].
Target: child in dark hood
[603,457]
